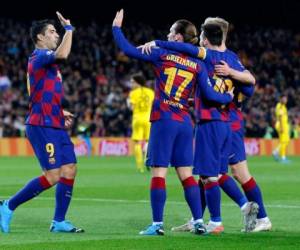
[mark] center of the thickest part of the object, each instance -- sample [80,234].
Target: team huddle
[210,74]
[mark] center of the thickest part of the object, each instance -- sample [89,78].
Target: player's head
[138,80]
[43,34]
[183,31]
[283,99]
[222,23]
[211,35]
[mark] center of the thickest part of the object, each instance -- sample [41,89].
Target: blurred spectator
[96,76]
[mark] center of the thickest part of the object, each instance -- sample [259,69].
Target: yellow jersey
[282,116]
[141,100]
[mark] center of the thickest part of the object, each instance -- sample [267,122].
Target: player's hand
[222,69]
[147,47]
[118,19]
[68,118]
[62,20]
[231,93]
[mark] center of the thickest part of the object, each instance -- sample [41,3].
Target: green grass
[111,203]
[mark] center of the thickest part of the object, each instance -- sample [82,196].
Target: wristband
[68,27]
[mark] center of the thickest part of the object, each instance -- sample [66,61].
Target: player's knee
[69,171]
[240,172]
[52,177]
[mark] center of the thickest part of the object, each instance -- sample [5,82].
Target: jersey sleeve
[207,90]
[186,48]
[237,64]
[246,90]
[44,57]
[131,50]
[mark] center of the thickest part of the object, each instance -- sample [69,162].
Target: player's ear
[179,38]
[40,37]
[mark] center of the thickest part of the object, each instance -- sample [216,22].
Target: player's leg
[229,186]
[192,197]
[275,152]
[64,187]
[284,142]
[253,193]
[45,149]
[210,137]
[182,159]
[147,128]
[138,154]
[137,136]
[159,153]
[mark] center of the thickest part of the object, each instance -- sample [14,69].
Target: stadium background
[96,76]
[111,199]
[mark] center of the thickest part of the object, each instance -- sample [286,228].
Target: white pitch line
[170,202]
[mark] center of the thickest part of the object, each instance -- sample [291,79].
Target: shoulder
[43,52]
[231,53]
[150,91]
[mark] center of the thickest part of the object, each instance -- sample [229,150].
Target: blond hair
[221,22]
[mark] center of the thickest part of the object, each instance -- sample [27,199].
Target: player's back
[45,90]
[222,84]
[176,76]
[141,100]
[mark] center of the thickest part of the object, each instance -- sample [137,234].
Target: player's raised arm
[243,75]
[209,93]
[64,49]
[124,44]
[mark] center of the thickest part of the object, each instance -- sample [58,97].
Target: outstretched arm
[186,48]
[124,44]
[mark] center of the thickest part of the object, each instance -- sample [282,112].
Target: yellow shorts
[140,130]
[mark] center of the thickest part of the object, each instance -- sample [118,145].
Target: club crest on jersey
[49,52]
[52,160]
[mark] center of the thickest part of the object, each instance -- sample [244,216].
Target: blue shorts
[212,148]
[238,152]
[53,147]
[170,143]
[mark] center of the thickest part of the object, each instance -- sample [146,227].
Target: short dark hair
[39,27]
[188,30]
[139,78]
[213,33]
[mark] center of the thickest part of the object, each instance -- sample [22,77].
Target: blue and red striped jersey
[210,57]
[176,77]
[45,89]
[213,57]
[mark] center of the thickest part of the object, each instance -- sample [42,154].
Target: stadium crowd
[97,77]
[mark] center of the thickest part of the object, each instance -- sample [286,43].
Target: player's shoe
[153,230]
[275,156]
[250,216]
[5,215]
[187,227]
[64,227]
[262,225]
[285,161]
[199,228]
[213,228]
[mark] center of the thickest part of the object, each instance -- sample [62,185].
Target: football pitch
[111,202]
